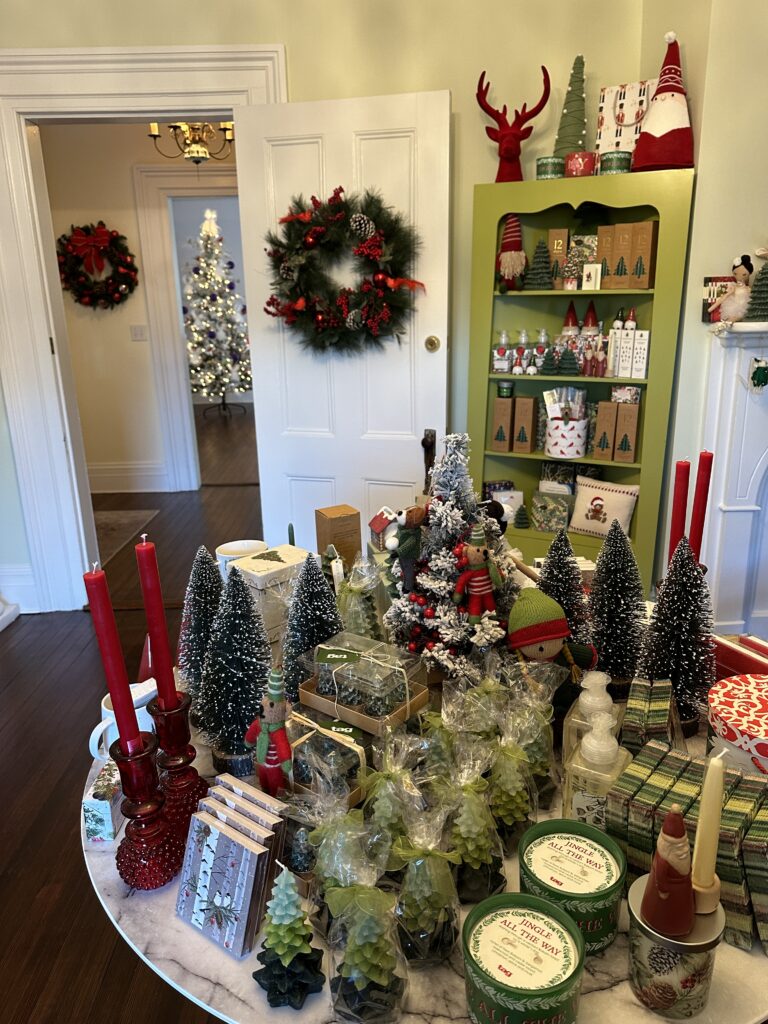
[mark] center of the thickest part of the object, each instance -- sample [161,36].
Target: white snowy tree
[214,320]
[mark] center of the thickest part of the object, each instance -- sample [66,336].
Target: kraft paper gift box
[625,448]
[633,727]
[270,576]
[501,424]
[604,255]
[642,264]
[605,430]
[339,525]
[642,807]
[524,430]
[755,852]
[621,256]
[101,805]
[557,242]
[626,786]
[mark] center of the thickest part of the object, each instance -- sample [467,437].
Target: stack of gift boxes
[660,776]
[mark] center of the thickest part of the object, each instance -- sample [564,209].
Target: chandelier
[193,140]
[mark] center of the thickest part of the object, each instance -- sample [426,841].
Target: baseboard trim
[17,586]
[111,477]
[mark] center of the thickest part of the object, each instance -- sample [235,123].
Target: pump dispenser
[597,762]
[594,697]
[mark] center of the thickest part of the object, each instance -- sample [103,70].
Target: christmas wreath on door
[96,266]
[313,241]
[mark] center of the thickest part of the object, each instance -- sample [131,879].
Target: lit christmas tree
[539,276]
[201,603]
[313,618]
[236,668]
[291,968]
[678,643]
[214,320]
[426,620]
[572,129]
[560,579]
[617,606]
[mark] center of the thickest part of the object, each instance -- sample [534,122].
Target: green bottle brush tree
[291,967]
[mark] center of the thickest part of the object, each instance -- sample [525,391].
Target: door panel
[333,429]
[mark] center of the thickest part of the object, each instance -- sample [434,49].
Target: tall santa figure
[666,141]
[668,905]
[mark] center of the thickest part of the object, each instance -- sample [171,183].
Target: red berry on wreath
[429,613]
[86,300]
[379,278]
[320,319]
[114,234]
[421,600]
[129,259]
[413,647]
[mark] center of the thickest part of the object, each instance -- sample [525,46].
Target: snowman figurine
[618,320]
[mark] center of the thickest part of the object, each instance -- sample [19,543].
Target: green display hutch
[581,204]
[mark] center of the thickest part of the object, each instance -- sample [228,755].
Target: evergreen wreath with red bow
[96,266]
[313,241]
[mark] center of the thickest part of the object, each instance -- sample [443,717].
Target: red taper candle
[154,610]
[700,500]
[105,627]
[679,505]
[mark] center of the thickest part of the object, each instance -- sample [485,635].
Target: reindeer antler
[499,116]
[524,115]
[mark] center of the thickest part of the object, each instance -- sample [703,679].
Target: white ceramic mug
[226,553]
[105,733]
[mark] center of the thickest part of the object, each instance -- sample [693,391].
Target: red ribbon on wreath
[89,247]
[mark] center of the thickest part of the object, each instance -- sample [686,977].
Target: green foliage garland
[96,266]
[312,242]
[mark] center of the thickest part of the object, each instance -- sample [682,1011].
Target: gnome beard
[675,851]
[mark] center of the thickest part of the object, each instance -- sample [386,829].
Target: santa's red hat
[590,324]
[674,826]
[511,260]
[571,321]
[666,141]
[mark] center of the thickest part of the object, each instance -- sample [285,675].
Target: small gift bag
[620,114]
[566,438]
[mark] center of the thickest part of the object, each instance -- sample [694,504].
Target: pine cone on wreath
[662,961]
[354,320]
[288,271]
[658,996]
[362,226]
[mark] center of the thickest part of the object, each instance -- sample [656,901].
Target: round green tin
[580,869]
[550,167]
[523,961]
[617,161]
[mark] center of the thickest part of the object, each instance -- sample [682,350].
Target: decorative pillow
[599,502]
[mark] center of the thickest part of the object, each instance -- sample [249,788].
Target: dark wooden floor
[61,960]
[226,446]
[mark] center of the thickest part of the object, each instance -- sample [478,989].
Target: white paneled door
[345,429]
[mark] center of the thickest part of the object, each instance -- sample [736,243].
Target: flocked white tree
[426,620]
[214,320]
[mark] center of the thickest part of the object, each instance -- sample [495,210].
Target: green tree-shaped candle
[291,968]
[569,364]
[539,275]
[201,603]
[508,794]
[757,310]
[549,366]
[572,129]
[617,606]
[521,520]
[313,618]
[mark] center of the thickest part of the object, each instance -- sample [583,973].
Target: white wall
[187,213]
[15,570]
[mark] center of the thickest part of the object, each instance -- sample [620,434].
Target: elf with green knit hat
[537,630]
[477,583]
[272,755]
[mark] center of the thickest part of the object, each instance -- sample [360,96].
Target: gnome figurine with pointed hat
[666,141]
[668,902]
[477,583]
[272,755]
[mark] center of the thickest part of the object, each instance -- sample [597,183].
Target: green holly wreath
[312,242]
[96,266]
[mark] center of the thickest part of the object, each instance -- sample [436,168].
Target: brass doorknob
[432,343]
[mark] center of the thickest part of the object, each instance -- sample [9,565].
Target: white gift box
[270,575]
[566,439]
[101,805]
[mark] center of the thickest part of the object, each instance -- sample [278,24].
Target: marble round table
[222,985]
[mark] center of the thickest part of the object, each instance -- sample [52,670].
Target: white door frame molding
[155,185]
[149,83]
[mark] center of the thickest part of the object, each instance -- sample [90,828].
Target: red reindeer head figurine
[509,136]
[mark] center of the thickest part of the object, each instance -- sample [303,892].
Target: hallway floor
[60,957]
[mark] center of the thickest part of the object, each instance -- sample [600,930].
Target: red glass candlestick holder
[151,851]
[181,785]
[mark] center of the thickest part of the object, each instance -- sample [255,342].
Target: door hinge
[53,350]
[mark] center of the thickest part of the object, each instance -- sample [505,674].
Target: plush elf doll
[273,754]
[406,543]
[479,580]
[537,630]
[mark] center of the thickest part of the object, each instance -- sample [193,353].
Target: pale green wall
[13,537]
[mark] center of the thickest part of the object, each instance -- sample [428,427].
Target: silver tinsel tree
[426,621]
[679,643]
[214,320]
[313,618]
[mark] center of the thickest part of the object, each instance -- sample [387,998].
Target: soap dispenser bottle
[596,763]
[594,697]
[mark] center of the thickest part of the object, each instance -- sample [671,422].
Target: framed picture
[590,277]
[714,287]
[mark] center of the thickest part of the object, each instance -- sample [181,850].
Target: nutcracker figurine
[273,756]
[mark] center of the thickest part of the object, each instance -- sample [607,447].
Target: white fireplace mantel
[736,429]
